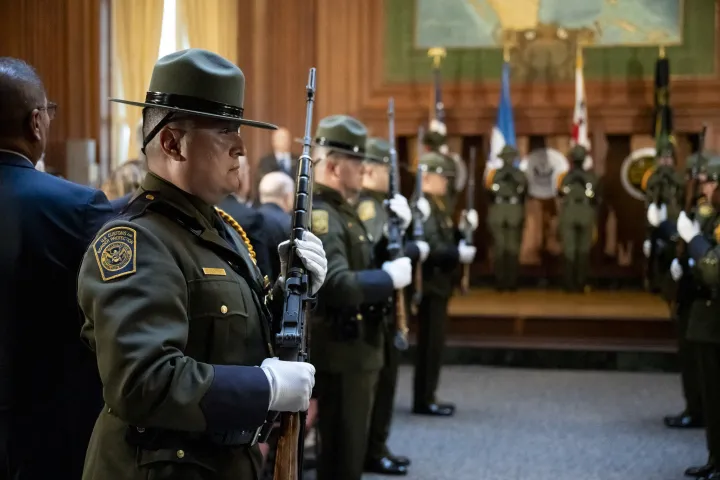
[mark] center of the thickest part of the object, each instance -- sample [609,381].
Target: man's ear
[36,124]
[169,139]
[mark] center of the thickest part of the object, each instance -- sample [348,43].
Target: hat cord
[165,120]
[236,226]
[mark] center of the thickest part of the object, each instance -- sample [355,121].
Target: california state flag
[580,118]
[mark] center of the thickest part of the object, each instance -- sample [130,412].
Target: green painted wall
[404,63]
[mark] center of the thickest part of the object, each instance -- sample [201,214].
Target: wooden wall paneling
[62,40]
[641,141]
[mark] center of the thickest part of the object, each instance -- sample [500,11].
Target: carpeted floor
[546,425]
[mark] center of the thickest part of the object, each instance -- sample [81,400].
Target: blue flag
[504,130]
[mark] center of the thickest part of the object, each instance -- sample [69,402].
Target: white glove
[469,217]
[424,250]
[691,262]
[399,205]
[466,252]
[291,384]
[647,248]
[676,270]
[311,252]
[687,228]
[400,272]
[656,215]
[424,207]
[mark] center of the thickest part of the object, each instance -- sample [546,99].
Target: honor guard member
[445,255]
[703,243]
[686,288]
[579,198]
[664,188]
[348,324]
[507,187]
[175,307]
[373,212]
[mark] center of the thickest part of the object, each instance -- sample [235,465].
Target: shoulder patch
[490,178]
[705,210]
[716,234]
[560,179]
[366,210]
[646,178]
[115,252]
[319,220]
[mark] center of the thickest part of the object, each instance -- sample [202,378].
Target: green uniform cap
[378,150]
[344,134]
[435,162]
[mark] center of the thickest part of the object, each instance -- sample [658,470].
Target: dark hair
[21,91]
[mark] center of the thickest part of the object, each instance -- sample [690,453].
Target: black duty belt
[507,200]
[158,438]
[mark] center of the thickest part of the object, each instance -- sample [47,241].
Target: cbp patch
[319,221]
[366,210]
[115,252]
[705,210]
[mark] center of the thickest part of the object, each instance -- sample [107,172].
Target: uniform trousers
[432,319]
[384,403]
[708,356]
[345,402]
[688,363]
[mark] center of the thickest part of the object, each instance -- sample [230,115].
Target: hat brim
[242,121]
[348,152]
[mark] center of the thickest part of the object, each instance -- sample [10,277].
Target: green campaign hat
[508,153]
[378,150]
[345,134]
[577,153]
[198,82]
[435,162]
[713,168]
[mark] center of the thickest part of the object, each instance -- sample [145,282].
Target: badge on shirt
[366,210]
[705,210]
[319,221]
[115,252]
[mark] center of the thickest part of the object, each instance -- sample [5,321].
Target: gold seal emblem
[115,252]
[705,210]
[366,210]
[319,221]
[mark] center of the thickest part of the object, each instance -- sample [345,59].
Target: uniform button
[349,224]
[361,237]
[109,410]
[369,237]
[708,303]
[180,454]
[140,430]
[223,309]
[150,197]
[359,316]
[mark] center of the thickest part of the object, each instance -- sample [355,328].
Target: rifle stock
[292,340]
[418,227]
[395,233]
[468,233]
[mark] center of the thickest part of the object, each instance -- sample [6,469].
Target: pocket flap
[169,457]
[215,297]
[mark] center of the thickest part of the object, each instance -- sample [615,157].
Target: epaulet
[646,178]
[153,201]
[490,178]
[560,179]
[137,206]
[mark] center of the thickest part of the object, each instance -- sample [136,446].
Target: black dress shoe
[684,420]
[713,476]
[400,460]
[435,409]
[385,466]
[700,472]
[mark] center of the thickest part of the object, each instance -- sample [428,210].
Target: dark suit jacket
[268,164]
[254,224]
[280,223]
[49,386]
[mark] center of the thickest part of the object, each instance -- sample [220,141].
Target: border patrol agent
[373,212]
[686,288]
[348,325]
[174,304]
[507,187]
[445,255]
[703,242]
[580,197]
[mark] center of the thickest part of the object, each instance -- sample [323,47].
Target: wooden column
[63,40]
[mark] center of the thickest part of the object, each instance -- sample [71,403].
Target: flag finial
[437,54]
[662,51]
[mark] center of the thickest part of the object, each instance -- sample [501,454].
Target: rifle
[292,340]
[468,233]
[691,192]
[395,233]
[418,233]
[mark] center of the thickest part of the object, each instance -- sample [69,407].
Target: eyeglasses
[51,109]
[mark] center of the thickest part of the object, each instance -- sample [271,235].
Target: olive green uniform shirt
[174,310]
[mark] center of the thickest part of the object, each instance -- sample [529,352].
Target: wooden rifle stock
[395,233]
[418,227]
[468,233]
[292,340]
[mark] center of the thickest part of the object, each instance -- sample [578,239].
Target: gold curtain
[211,25]
[137,28]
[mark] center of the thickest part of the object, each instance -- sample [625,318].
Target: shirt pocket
[167,464]
[218,311]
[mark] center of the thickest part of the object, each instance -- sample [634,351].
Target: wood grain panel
[63,41]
